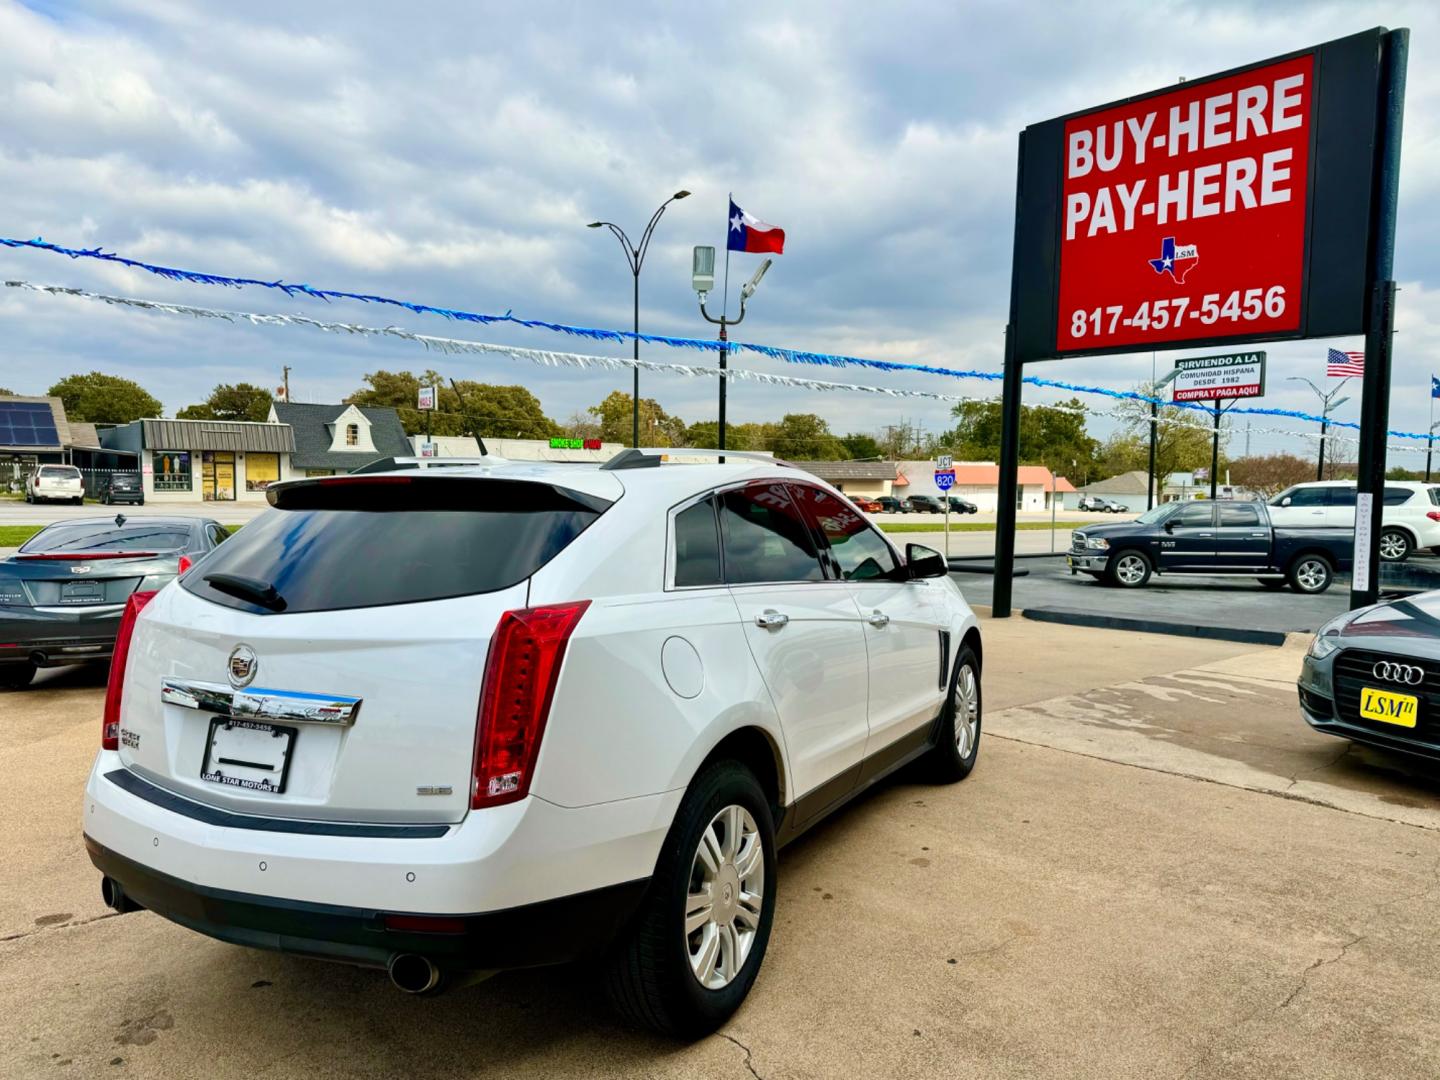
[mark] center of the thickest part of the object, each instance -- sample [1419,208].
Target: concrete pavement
[1155,871]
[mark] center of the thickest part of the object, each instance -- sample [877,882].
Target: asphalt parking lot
[1156,870]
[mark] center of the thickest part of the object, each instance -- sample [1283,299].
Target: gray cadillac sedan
[1373,676]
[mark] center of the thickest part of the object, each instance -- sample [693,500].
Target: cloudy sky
[452,152]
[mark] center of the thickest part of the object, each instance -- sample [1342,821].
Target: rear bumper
[550,932]
[571,875]
[59,637]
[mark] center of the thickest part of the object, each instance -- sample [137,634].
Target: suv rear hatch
[326,662]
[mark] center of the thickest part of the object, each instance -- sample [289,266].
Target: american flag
[1340,364]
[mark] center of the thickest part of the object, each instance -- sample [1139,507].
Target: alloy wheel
[1393,546]
[966,708]
[1311,574]
[1130,569]
[726,894]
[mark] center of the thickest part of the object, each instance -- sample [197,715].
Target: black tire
[1398,542]
[948,762]
[1271,583]
[1310,574]
[1129,569]
[648,975]
[16,676]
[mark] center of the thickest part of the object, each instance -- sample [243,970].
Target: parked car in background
[1223,537]
[961,506]
[890,505]
[55,483]
[1410,518]
[62,594]
[923,504]
[122,487]
[633,822]
[1373,676]
[870,506]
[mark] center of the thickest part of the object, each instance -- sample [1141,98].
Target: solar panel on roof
[27,423]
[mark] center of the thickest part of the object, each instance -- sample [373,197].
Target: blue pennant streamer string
[793,356]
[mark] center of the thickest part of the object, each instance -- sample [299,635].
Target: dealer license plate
[246,754]
[81,592]
[1388,707]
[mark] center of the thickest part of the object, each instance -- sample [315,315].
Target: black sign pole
[1011,389]
[1380,321]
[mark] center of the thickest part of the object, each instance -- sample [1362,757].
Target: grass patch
[970,526]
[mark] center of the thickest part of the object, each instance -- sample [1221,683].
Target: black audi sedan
[62,593]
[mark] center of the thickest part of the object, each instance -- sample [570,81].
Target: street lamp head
[754,283]
[595,225]
[681,194]
[702,269]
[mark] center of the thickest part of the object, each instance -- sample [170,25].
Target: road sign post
[945,480]
[1257,204]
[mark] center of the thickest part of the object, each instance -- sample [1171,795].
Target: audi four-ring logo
[1401,673]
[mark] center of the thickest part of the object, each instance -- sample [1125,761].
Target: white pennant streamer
[553,358]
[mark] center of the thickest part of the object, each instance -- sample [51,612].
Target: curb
[1140,624]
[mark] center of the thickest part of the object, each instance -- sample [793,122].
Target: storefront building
[206,460]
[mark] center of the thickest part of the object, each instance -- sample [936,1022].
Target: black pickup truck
[1224,537]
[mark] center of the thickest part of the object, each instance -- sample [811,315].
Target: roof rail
[634,458]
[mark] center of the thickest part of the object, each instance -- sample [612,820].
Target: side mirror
[924,562]
[1285,501]
[1169,526]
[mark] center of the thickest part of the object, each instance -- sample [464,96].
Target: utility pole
[286,370]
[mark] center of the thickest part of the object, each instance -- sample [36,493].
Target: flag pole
[1430,431]
[724,337]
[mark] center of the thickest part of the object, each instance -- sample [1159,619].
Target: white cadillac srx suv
[515,714]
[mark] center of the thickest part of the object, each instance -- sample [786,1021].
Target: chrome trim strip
[290,706]
[82,609]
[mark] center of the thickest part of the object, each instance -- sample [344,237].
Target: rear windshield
[396,540]
[58,472]
[86,538]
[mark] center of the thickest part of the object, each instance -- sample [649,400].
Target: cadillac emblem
[242,666]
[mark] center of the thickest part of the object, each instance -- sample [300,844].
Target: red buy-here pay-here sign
[1183,215]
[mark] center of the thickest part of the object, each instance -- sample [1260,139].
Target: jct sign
[1185,213]
[1234,207]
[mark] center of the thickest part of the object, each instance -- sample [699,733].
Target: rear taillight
[1433,515]
[185,564]
[110,726]
[520,675]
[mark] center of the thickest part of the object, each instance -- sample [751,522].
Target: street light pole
[1155,388]
[1328,404]
[635,259]
[703,280]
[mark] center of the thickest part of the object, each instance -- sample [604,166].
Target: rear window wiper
[247,588]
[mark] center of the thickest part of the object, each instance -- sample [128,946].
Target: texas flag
[751,234]
[1177,260]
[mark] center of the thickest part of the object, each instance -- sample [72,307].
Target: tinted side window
[1342,496]
[697,545]
[766,539]
[860,552]
[1397,496]
[1239,516]
[1316,496]
[1195,516]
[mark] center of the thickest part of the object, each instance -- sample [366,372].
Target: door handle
[878,618]
[771,619]
[1259,536]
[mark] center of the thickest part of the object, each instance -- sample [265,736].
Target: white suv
[1410,518]
[482,718]
[55,482]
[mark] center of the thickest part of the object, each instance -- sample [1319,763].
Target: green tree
[706,435]
[657,427]
[98,398]
[1182,436]
[400,390]
[503,412]
[804,437]
[7,393]
[240,401]
[1049,435]
[861,446]
[1271,474]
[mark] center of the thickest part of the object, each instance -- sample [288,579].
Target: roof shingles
[313,437]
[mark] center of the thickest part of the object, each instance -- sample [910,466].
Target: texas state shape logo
[1176,261]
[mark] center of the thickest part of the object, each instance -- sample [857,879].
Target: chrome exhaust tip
[413,974]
